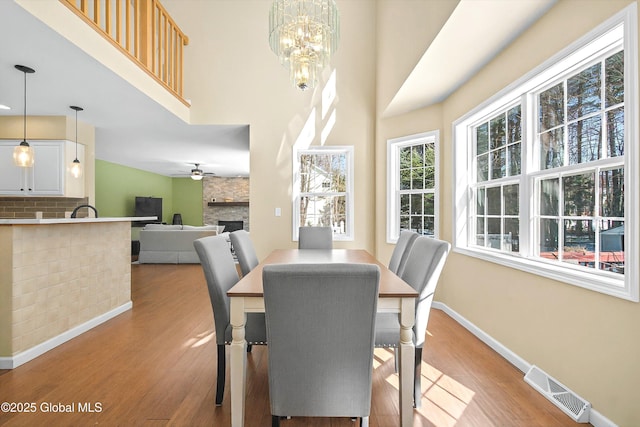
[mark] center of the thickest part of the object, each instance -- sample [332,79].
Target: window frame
[348,150]
[574,57]
[394,146]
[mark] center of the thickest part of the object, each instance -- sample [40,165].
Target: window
[412,199]
[497,163]
[322,190]
[541,168]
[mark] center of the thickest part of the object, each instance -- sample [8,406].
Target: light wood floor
[155,365]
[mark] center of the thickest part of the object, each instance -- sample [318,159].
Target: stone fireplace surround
[225,189]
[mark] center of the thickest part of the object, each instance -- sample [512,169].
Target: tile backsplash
[51,207]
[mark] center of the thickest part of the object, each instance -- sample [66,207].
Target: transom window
[549,161]
[322,190]
[412,182]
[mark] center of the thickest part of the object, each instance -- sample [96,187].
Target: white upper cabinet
[49,175]
[11,176]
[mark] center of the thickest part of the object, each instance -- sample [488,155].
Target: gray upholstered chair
[221,274]
[246,253]
[315,238]
[422,270]
[401,251]
[320,327]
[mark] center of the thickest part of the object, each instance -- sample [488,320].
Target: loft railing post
[96,11]
[136,29]
[145,33]
[119,22]
[127,19]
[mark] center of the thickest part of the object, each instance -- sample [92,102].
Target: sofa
[172,244]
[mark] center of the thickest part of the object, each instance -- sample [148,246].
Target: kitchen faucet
[75,211]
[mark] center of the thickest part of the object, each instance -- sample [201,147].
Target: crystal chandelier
[304,34]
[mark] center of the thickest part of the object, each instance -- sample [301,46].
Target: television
[149,206]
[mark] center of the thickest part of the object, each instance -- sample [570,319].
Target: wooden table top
[391,286]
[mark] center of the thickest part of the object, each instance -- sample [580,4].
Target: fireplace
[230,226]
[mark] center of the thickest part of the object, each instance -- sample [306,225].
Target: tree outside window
[412,182]
[323,190]
[540,169]
[581,192]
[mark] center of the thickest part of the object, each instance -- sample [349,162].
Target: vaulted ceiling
[134,130]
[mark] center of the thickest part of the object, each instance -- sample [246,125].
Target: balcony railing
[142,30]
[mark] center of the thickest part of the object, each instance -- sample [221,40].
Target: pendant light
[76,167]
[23,153]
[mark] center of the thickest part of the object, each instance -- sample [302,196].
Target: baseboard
[595,418]
[503,351]
[30,354]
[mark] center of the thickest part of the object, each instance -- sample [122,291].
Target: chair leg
[417,391]
[221,374]
[364,422]
[396,359]
[275,421]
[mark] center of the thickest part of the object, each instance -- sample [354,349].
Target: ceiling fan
[197,174]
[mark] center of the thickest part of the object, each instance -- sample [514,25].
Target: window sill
[604,283]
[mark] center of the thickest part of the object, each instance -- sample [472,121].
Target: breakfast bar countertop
[37,221]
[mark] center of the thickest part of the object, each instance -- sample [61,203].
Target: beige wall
[56,127]
[231,76]
[587,340]
[408,28]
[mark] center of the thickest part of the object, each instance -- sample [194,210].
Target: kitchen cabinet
[49,175]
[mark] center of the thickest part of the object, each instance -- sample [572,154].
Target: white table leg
[407,356]
[238,362]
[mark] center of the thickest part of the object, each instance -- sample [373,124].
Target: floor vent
[572,404]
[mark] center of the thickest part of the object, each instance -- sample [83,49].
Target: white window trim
[627,288]
[348,150]
[393,180]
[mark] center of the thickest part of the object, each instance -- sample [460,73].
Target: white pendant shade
[76,169]
[23,155]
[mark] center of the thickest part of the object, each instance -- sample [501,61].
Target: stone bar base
[57,277]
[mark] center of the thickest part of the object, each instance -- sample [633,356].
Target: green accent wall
[187,200]
[117,187]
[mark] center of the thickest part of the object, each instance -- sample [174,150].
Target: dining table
[394,296]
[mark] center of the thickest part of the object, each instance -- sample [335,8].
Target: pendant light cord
[25,107]
[76,134]
[76,109]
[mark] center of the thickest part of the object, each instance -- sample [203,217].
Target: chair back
[246,253]
[315,238]
[320,328]
[422,271]
[221,274]
[401,251]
